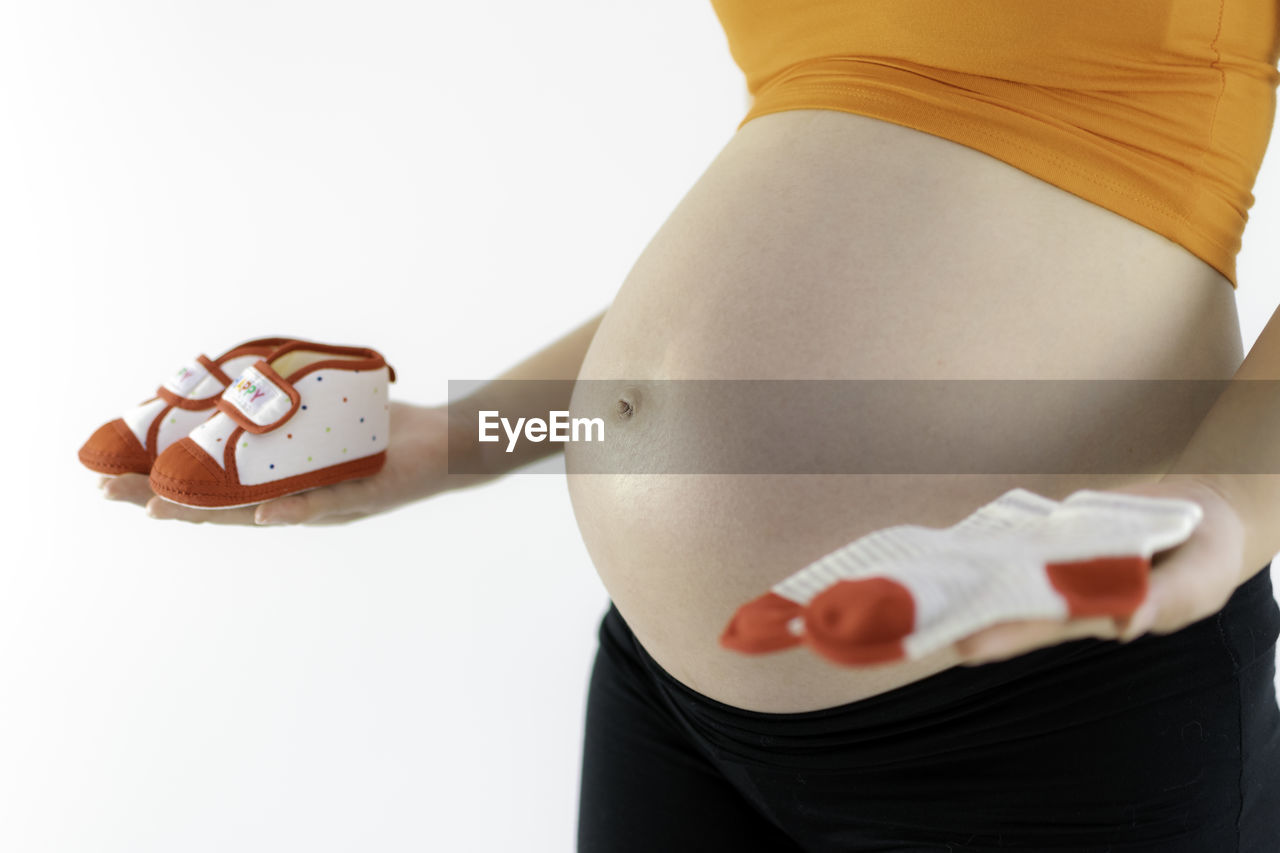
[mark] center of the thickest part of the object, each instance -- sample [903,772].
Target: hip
[1171,741]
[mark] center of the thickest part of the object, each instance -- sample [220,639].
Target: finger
[338,518]
[348,500]
[132,488]
[158,507]
[1138,622]
[1009,639]
[1006,638]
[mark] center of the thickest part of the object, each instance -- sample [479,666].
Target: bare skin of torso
[826,245]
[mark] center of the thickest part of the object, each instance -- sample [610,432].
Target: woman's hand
[1187,583]
[416,467]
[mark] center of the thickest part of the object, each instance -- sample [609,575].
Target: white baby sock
[905,591]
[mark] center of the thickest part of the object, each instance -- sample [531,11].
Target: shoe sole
[234,497]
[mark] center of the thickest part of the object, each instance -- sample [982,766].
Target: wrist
[465,463]
[1227,504]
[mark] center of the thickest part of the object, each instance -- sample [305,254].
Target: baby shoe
[130,444]
[906,591]
[308,415]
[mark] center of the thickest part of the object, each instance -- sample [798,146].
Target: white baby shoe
[130,444]
[311,415]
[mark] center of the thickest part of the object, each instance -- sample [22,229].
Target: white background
[454,184]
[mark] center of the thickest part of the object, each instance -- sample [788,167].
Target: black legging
[1168,744]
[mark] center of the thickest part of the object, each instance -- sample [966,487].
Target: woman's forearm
[540,384]
[1236,448]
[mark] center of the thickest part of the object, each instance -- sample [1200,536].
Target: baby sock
[905,591]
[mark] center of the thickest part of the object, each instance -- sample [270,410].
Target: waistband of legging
[1245,629]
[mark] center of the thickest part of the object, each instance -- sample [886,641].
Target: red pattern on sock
[861,621]
[760,625]
[1103,586]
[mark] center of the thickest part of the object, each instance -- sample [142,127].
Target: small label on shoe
[186,378]
[258,398]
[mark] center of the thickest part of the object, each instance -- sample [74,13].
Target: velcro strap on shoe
[260,399]
[201,374]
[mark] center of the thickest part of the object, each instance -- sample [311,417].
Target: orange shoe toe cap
[186,473]
[114,449]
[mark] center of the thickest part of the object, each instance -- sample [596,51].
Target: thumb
[1186,587]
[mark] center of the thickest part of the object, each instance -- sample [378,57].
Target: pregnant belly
[825,245]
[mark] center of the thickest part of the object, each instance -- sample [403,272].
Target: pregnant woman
[1006,189]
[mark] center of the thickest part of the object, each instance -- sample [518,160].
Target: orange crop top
[1159,110]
